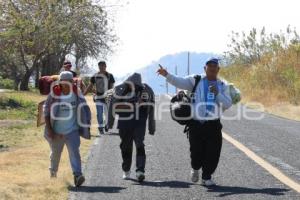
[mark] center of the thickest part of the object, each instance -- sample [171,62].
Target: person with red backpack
[45,82]
[67,117]
[68,67]
[211,97]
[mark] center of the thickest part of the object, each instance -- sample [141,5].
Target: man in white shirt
[211,97]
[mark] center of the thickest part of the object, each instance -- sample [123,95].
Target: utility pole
[188,64]
[176,73]
[167,85]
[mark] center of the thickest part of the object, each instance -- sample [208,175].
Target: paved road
[168,164]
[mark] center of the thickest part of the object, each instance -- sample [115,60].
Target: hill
[197,62]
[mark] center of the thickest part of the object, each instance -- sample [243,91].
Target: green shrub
[6,83]
[14,107]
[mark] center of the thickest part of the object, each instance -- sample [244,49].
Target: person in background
[62,108]
[136,103]
[68,67]
[103,81]
[205,130]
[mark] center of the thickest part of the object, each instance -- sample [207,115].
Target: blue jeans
[100,107]
[72,141]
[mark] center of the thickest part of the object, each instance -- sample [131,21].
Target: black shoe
[106,129]
[101,131]
[78,180]
[140,176]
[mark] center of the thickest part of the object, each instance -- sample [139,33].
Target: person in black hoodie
[134,102]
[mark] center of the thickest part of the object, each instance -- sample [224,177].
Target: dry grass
[259,84]
[24,167]
[285,110]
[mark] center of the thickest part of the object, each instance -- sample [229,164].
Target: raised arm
[186,83]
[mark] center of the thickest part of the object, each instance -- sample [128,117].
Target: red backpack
[45,83]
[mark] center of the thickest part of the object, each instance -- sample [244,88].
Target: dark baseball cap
[67,64]
[212,60]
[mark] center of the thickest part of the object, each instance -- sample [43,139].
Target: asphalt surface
[168,164]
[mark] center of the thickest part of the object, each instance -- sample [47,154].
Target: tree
[39,34]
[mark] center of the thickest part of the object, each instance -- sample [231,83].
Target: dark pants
[205,146]
[128,135]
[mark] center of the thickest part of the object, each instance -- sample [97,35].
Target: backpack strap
[109,76]
[192,99]
[197,81]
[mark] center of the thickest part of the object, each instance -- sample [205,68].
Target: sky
[150,29]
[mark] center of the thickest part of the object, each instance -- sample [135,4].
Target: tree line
[36,36]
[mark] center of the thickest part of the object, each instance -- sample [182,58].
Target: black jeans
[128,135]
[205,146]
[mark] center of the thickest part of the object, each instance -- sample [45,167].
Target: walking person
[103,81]
[67,117]
[136,100]
[67,66]
[205,129]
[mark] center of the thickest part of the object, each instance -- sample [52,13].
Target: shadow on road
[112,134]
[232,190]
[170,184]
[96,189]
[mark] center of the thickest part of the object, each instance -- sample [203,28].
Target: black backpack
[181,105]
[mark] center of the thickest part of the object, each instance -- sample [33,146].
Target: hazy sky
[150,29]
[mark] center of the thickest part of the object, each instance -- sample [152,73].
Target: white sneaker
[126,175]
[195,175]
[208,182]
[140,176]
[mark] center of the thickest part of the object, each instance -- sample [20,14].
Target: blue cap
[213,60]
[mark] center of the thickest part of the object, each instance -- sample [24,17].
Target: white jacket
[223,99]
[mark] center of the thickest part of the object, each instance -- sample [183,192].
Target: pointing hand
[162,71]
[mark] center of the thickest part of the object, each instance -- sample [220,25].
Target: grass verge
[24,158]
[258,84]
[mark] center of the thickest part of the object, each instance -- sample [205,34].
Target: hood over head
[136,79]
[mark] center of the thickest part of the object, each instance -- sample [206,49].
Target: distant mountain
[197,62]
